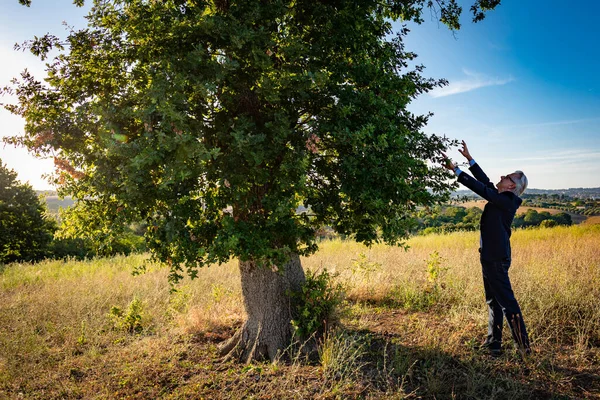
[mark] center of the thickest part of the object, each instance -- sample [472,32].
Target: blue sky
[524,90]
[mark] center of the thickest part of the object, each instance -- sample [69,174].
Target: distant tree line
[574,205]
[588,206]
[543,218]
[445,219]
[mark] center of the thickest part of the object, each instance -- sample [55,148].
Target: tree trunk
[268,331]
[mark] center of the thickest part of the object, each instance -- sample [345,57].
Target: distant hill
[53,202]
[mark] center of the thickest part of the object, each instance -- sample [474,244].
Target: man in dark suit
[498,214]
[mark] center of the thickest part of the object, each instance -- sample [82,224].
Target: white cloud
[560,169]
[553,123]
[473,81]
[566,157]
[572,154]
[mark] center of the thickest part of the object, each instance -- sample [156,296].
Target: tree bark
[267,331]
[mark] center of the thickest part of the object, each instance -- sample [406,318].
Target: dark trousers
[501,301]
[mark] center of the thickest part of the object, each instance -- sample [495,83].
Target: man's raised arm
[487,191]
[474,167]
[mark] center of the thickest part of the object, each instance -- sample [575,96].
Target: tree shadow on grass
[387,366]
[385,360]
[353,364]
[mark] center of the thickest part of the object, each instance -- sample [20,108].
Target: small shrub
[179,301]
[316,303]
[421,298]
[363,266]
[219,292]
[129,320]
[435,271]
[82,338]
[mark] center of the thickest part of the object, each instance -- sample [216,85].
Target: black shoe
[493,349]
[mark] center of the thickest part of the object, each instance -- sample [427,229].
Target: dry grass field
[408,329]
[592,220]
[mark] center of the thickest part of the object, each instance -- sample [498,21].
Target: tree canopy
[215,120]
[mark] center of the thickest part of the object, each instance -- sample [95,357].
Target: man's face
[507,182]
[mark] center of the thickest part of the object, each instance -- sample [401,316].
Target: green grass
[90,329]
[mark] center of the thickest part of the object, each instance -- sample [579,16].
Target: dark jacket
[497,216]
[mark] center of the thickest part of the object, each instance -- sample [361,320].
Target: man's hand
[448,164]
[465,151]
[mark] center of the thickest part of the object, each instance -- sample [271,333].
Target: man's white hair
[520,182]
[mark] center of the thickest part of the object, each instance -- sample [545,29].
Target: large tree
[215,120]
[25,229]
